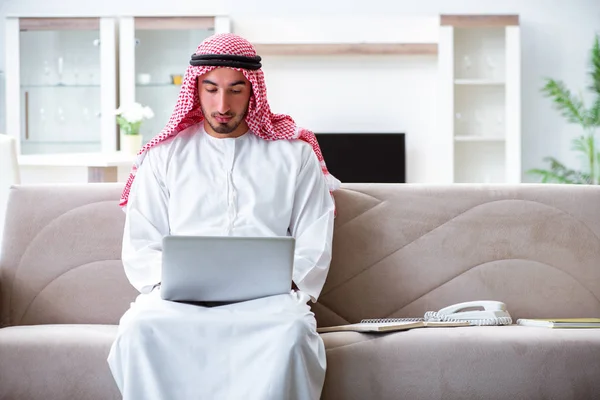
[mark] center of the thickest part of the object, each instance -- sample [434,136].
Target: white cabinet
[154,53]
[479,98]
[62,87]
[61,76]
[60,84]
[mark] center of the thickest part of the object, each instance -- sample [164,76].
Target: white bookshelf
[60,91]
[479,98]
[66,76]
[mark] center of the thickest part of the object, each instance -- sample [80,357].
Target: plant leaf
[571,107]
[580,144]
[549,176]
[595,66]
[593,115]
[560,173]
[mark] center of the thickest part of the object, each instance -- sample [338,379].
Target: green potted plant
[130,118]
[575,111]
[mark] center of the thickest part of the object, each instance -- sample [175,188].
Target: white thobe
[195,184]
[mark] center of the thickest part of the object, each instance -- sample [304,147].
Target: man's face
[224,97]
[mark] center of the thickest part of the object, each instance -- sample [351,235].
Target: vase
[131,144]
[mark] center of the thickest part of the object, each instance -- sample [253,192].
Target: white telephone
[489,313]
[493,313]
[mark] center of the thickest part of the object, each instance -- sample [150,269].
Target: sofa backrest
[61,255]
[399,251]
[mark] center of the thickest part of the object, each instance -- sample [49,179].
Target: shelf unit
[479,98]
[63,73]
[478,68]
[60,84]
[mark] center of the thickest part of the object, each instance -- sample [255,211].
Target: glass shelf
[474,138]
[484,82]
[59,86]
[157,85]
[57,142]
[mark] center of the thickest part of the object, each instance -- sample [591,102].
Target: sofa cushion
[56,362]
[69,362]
[509,362]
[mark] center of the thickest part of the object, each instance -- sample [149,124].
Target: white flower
[135,112]
[148,113]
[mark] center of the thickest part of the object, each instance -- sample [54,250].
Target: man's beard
[227,128]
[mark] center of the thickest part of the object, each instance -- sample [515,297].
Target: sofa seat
[492,362]
[56,362]
[69,362]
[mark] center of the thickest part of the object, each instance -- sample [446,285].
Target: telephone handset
[493,313]
[485,312]
[491,309]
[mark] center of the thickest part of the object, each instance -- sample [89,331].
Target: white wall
[556,38]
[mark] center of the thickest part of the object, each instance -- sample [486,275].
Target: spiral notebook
[390,325]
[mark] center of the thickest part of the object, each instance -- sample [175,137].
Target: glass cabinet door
[60,79]
[154,55]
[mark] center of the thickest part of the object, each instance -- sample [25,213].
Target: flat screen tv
[365,157]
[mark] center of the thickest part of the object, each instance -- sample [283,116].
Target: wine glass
[60,70]
[467,64]
[459,123]
[60,115]
[46,72]
[500,124]
[43,119]
[76,71]
[491,66]
[479,122]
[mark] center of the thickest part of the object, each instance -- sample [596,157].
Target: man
[225,165]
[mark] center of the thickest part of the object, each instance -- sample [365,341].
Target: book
[561,322]
[379,327]
[379,320]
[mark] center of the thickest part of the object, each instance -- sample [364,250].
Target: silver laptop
[225,268]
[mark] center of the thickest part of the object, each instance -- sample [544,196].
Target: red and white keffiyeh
[261,121]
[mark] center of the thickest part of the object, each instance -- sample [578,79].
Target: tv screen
[365,157]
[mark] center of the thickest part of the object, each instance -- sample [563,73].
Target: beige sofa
[399,250]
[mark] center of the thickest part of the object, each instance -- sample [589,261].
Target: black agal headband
[226,60]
